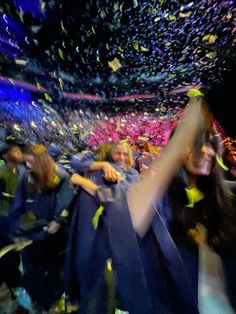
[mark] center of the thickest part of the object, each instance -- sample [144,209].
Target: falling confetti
[115,65]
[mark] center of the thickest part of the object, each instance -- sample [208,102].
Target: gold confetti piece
[61,83]
[143,48]
[171,17]
[209,38]
[211,55]
[187,14]
[194,195]
[64,213]
[97,216]
[136,45]
[20,245]
[115,64]
[21,15]
[42,6]
[93,30]
[194,93]
[221,163]
[38,85]
[47,97]
[60,52]
[56,180]
[20,62]
[109,265]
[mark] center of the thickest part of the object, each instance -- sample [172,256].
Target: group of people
[110,238]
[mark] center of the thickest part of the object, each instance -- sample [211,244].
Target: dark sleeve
[81,166]
[18,205]
[64,198]
[17,208]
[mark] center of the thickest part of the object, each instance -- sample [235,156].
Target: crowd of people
[121,229]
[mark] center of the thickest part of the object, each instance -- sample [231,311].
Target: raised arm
[153,183]
[84,183]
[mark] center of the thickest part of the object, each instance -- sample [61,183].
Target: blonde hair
[44,167]
[124,143]
[103,152]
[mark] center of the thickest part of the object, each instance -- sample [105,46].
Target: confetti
[115,64]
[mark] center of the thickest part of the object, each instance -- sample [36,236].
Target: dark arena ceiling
[115,56]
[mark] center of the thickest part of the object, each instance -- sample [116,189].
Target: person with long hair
[38,213]
[182,211]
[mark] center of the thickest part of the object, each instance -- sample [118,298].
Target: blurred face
[201,163]
[30,161]
[232,158]
[120,155]
[14,156]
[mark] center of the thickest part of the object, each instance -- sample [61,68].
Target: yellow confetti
[109,265]
[42,6]
[47,97]
[115,64]
[194,195]
[136,45]
[56,180]
[194,93]
[21,15]
[211,55]
[187,14]
[64,213]
[221,163]
[96,217]
[61,83]
[93,30]
[209,38]
[171,17]
[20,62]
[60,52]
[143,48]
[38,85]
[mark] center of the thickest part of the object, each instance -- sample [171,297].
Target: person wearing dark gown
[39,213]
[11,174]
[182,211]
[97,239]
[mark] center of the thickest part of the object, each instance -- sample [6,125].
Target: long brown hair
[215,211]
[44,168]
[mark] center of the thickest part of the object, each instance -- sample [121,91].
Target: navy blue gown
[115,239]
[43,260]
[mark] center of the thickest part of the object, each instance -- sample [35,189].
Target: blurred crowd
[118,227]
